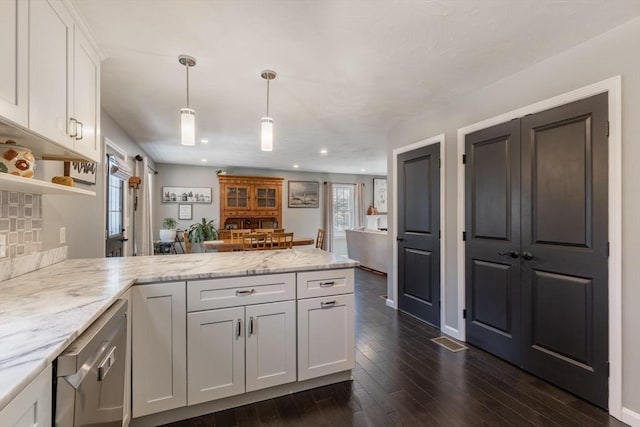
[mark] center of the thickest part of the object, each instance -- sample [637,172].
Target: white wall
[83,216]
[613,53]
[302,221]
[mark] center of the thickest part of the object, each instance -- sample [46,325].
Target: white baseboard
[452,332]
[391,304]
[630,417]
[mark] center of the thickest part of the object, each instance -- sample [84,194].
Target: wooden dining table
[228,245]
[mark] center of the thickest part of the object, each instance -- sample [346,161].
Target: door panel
[493,232]
[491,296]
[418,233]
[564,228]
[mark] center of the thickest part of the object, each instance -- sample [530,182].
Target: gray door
[492,264]
[419,233]
[564,245]
[536,245]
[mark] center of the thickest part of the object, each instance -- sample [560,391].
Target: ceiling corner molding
[82,23]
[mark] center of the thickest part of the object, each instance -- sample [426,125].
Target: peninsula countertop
[42,312]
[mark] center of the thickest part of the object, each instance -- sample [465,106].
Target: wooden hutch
[250,202]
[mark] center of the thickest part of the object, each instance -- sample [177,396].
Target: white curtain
[328,216]
[144,231]
[359,205]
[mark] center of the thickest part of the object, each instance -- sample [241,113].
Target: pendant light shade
[187,115]
[266,123]
[187,126]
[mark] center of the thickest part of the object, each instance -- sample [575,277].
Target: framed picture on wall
[185,211]
[380,195]
[84,172]
[304,194]
[186,195]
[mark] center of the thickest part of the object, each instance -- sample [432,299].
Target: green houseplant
[203,230]
[168,230]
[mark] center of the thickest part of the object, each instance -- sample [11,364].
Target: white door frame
[122,153]
[614,88]
[393,301]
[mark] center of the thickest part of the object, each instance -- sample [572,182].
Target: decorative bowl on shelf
[17,160]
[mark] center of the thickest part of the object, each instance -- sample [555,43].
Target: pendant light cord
[187,85]
[268,97]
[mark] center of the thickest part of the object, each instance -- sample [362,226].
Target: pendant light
[187,115]
[266,123]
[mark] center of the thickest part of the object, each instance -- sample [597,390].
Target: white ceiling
[348,70]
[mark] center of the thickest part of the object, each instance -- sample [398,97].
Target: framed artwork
[186,194]
[380,195]
[304,194]
[84,172]
[185,211]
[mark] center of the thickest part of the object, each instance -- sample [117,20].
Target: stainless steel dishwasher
[90,373]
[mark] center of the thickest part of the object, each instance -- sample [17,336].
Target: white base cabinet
[326,335]
[159,366]
[240,349]
[32,407]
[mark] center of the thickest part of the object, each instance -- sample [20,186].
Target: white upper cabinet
[14,36]
[86,97]
[50,68]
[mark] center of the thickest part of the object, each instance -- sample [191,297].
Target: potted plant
[201,231]
[168,230]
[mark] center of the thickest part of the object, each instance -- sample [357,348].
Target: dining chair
[255,242]
[281,240]
[263,230]
[187,242]
[320,238]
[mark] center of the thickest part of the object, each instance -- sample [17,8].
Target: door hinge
[464,159]
[439,234]
[608,368]
[608,128]
[464,313]
[608,249]
[464,236]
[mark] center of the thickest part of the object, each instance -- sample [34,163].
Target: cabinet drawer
[327,282]
[236,291]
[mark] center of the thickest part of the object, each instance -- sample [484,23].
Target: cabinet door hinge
[464,159]
[464,313]
[464,236]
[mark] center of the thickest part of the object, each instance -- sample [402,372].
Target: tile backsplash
[21,222]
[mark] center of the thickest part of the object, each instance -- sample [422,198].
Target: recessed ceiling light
[363,170]
[204,141]
[296,166]
[203,160]
[324,151]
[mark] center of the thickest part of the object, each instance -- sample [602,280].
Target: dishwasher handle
[75,380]
[106,364]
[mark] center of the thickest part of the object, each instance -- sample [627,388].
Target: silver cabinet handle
[242,293]
[239,328]
[327,284]
[78,138]
[75,127]
[328,304]
[107,363]
[251,325]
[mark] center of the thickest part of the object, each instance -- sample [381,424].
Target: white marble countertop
[42,312]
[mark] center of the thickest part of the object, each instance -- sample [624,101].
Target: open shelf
[29,185]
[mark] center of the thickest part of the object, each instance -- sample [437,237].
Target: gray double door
[537,244]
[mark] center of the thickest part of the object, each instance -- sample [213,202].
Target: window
[343,209]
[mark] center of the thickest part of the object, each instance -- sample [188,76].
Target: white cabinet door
[159,348]
[86,96]
[32,407]
[216,354]
[326,336]
[50,70]
[14,36]
[270,344]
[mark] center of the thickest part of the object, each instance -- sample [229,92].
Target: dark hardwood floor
[403,379]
